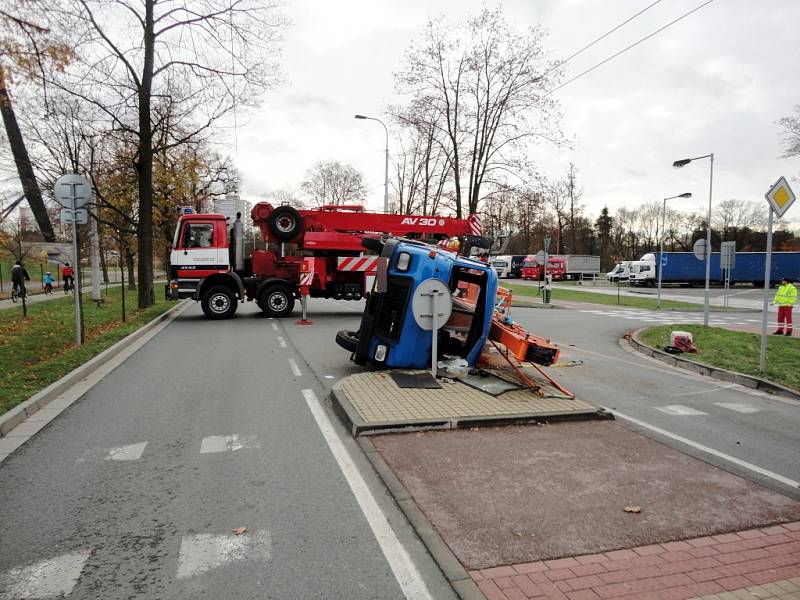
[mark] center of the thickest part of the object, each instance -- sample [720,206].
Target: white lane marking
[731,459]
[275,326]
[295,369]
[745,409]
[402,566]
[679,410]
[714,389]
[129,452]
[227,443]
[50,578]
[282,342]
[205,551]
[330,377]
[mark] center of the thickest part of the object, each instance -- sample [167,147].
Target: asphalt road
[135,490]
[750,426]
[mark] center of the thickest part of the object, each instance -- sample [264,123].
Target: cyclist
[48,283]
[18,277]
[68,275]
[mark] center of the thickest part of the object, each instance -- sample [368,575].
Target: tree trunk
[131,270]
[23,162]
[144,166]
[103,265]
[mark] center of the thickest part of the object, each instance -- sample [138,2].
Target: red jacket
[67,272]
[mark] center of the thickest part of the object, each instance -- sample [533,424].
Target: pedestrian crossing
[680,410]
[674,316]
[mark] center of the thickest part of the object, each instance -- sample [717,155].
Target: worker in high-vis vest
[785,298]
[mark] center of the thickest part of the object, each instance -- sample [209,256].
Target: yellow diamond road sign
[780,197]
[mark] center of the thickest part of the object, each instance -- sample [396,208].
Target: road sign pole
[762,357]
[76,290]
[708,248]
[95,262]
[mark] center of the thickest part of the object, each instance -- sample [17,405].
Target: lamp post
[682,163]
[386,164]
[661,244]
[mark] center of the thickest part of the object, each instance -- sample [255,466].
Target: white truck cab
[502,266]
[643,272]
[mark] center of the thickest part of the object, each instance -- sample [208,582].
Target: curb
[456,575]
[41,399]
[748,381]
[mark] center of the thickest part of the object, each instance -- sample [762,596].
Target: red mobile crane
[207,262]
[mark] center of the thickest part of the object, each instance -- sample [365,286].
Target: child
[48,283]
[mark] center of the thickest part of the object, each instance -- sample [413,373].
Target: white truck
[502,266]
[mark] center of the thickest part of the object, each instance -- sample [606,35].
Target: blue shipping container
[684,267]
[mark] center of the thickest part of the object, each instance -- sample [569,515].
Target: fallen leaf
[240,530]
[632,509]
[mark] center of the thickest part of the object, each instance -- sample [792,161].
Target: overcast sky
[716,81]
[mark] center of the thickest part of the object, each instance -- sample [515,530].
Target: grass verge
[579,296]
[736,351]
[40,349]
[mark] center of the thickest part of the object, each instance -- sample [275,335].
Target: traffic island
[373,402]
[591,508]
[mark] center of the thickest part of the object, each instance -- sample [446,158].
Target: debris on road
[240,530]
[632,509]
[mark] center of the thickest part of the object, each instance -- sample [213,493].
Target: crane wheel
[285,223]
[276,301]
[219,302]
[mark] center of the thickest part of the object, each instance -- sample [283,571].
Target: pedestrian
[785,298]
[18,277]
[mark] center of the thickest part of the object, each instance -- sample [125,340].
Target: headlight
[380,352]
[403,261]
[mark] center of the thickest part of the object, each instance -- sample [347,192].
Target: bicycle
[48,289]
[68,286]
[18,292]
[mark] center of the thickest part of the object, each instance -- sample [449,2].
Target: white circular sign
[71,187]
[699,249]
[432,296]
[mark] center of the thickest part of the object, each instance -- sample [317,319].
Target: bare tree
[574,194]
[163,72]
[486,84]
[27,45]
[791,131]
[333,182]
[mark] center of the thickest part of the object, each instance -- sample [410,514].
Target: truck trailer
[685,268]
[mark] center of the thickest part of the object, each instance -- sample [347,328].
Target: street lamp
[682,163]
[386,170]
[661,245]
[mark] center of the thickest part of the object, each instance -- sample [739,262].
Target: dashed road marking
[129,452]
[275,326]
[295,369]
[51,578]
[405,572]
[727,457]
[330,377]
[205,551]
[679,410]
[745,409]
[282,342]
[228,443]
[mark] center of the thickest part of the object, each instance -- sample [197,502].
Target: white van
[620,272]
[502,266]
[643,272]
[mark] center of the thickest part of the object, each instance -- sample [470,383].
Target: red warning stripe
[357,263]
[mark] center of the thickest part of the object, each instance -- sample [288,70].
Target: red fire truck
[207,261]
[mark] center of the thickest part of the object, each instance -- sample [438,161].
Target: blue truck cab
[390,337]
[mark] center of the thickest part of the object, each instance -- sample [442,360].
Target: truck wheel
[347,340]
[219,302]
[284,223]
[276,301]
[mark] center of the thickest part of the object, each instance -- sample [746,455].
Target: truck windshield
[529,263]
